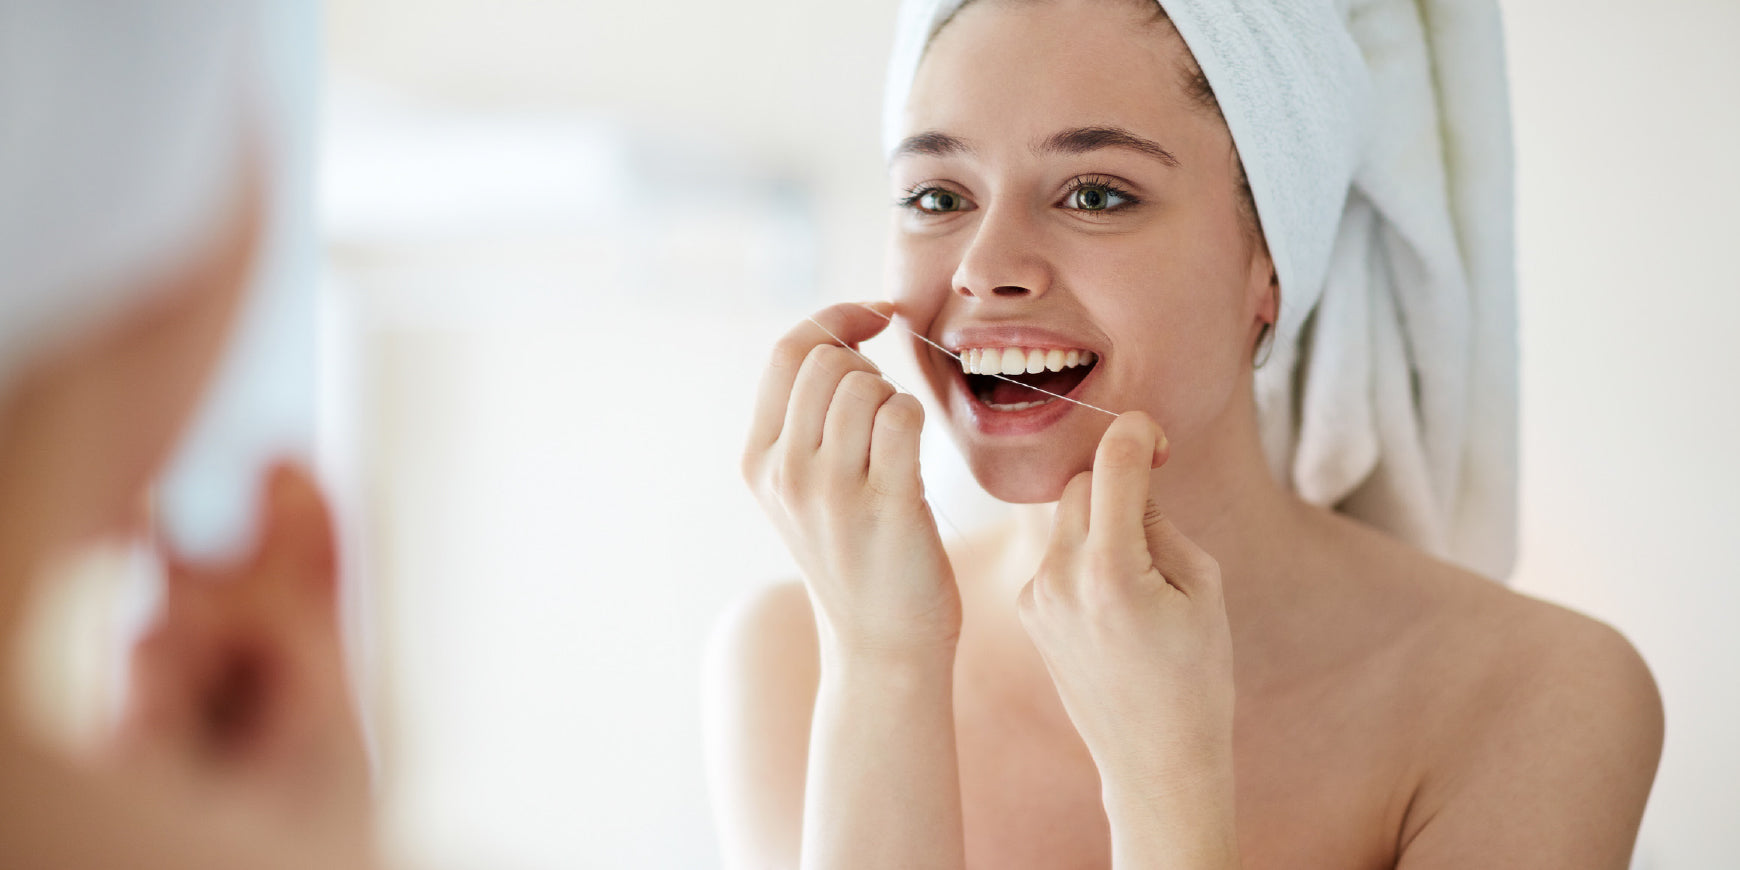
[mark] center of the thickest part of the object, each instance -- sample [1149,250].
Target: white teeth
[1018,406]
[1020,360]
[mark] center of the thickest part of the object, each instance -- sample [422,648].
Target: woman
[1226,628]
[132,191]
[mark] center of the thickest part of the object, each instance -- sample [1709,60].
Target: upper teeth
[1021,360]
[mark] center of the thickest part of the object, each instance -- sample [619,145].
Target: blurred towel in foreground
[120,153]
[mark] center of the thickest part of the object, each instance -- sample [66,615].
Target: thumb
[1179,560]
[298,548]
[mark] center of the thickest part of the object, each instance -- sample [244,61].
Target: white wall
[1628,127]
[591,515]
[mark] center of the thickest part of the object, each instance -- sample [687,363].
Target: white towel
[1376,137]
[121,131]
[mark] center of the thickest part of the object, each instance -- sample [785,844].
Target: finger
[1120,481]
[851,322]
[163,667]
[894,442]
[1069,527]
[851,415]
[814,393]
[298,545]
[1178,559]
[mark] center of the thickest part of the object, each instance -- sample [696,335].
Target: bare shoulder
[762,653]
[1544,732]
[772,626]
[1510,659]
[760,691]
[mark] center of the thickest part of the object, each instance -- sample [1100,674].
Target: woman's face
[1062,192]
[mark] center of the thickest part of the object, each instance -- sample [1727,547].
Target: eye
[936,200]
[1096,197]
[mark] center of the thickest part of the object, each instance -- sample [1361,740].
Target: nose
[1004,259]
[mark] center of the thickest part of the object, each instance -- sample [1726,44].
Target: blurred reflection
[135,179]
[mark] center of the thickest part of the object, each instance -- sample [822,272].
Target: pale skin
[239,746]
[1165,659]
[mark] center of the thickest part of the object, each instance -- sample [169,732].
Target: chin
[1025,475]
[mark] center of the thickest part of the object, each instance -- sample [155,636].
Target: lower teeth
[1018,406]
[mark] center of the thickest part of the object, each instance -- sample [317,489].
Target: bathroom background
[518,317]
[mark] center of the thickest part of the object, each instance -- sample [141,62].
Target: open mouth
[1022,373]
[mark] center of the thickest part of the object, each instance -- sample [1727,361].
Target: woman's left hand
[1128,615]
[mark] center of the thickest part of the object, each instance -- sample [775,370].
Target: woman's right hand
[833,459]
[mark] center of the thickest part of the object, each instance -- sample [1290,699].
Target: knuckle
[828,359]
[901,413]
[896,480]
[789,353]
[787,479]
[1125,450]
[865,386]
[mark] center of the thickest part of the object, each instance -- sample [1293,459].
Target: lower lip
[1026,421]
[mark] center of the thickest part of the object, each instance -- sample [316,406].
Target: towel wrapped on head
[1376,138]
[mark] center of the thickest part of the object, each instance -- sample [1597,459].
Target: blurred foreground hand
[239,699]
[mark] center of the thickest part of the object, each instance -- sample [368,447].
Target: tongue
[1005,393]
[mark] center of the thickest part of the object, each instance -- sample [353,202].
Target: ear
[1264,285]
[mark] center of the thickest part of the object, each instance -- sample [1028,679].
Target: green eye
[940,201]
[1094,197]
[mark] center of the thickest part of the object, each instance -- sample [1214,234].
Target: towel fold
[1376,137]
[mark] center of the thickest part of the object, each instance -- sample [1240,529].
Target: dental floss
[957,358]
[897,385]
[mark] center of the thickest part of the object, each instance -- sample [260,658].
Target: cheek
[920,281]
[1175,325]
[919,276]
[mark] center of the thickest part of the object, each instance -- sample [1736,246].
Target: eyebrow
[1076,140]
[1081,140]
[931,143]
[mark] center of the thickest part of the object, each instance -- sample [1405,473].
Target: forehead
[1020,69]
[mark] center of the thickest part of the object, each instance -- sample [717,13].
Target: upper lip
[957,339]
